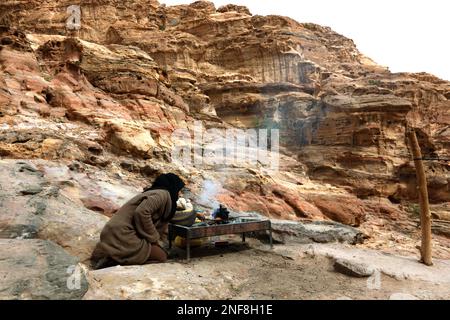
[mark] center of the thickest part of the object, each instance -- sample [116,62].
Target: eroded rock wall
[110,94]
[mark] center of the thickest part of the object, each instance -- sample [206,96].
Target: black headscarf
[172,183]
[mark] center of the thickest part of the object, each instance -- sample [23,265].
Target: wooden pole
[425,215]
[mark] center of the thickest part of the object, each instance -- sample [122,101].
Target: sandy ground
[253,271]
[276,275]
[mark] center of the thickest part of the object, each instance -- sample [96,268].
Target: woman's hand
[201,216]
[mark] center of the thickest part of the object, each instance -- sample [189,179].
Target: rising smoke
[207,197]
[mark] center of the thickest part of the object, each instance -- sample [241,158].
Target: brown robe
[128,235]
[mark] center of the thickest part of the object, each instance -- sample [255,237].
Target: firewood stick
[425,214]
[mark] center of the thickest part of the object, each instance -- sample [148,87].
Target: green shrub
[414,209]
[375,82]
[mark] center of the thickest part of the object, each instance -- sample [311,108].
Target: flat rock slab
[398,267]
[303,232]
[201,280]
[352,269]
[315,232]
[39,269]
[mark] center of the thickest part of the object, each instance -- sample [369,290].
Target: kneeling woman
[133,235]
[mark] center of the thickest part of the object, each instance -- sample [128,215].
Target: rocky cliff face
[106,99]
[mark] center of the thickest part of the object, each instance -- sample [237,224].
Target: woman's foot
[103,263]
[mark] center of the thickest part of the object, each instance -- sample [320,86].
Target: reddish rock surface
[108,97]
[344,209]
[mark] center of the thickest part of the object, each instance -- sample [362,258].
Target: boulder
[130,138]
[39,269]
[32,205]
[306,231]
[348,210]
[353,269]
[315,232]
[151,282]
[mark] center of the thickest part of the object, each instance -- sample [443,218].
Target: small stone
[75,166]
[25,167]
[353,269]
[39,99]
[31,190]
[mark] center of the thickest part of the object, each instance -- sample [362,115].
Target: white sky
[405,35]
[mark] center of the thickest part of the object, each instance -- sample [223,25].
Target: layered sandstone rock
[109,96]
[37,201]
